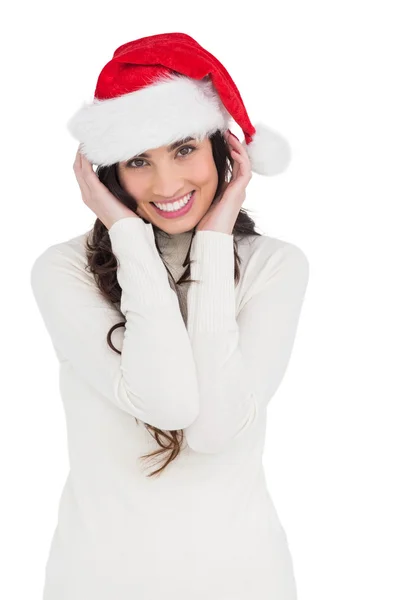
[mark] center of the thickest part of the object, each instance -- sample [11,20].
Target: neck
[174,247]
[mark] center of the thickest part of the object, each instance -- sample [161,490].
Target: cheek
[205,173]
[133,186]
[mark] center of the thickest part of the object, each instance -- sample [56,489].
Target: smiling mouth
[168,214]
[176,200]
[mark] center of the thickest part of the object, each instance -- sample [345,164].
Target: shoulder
[265,258]
[70,253]
[258,251]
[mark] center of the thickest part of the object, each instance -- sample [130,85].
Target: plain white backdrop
[324,74]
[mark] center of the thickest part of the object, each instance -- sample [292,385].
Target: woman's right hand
[96,196]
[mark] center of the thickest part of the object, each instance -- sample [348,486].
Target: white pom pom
[269,152]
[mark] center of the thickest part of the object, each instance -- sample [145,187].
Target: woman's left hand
[222,214]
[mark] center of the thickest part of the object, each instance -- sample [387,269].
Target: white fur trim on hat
[167,110]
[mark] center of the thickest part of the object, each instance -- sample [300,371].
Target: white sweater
[206,527]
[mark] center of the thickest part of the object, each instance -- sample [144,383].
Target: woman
[188,373]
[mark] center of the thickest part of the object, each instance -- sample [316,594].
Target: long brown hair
[103,264]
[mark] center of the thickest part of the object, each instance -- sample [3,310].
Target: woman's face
[169,172]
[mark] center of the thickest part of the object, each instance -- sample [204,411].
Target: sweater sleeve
[240,360]
[154,377]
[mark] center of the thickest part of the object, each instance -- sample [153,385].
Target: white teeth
[171,206]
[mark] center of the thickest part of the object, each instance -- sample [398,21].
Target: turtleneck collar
[174,247]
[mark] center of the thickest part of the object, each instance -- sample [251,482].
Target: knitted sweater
[205,358]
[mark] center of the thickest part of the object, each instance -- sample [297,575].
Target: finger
[87,167]
[241,148]
[79,175]
[245,158]
[230,137]
[235,144]
[77,161]
[243,166]
[90,179]
[236,165]
[239,158]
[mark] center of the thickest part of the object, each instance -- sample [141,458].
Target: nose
[165,185]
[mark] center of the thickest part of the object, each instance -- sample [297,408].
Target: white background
[324,74]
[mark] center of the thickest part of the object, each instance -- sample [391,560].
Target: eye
[187,147]
[132,163]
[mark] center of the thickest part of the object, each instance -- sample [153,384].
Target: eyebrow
[170,148]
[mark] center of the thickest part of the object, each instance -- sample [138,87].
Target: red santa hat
[162,88]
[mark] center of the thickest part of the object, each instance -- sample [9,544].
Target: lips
[174,200]
[173,214]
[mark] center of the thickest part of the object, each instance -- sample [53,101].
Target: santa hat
[160,89]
